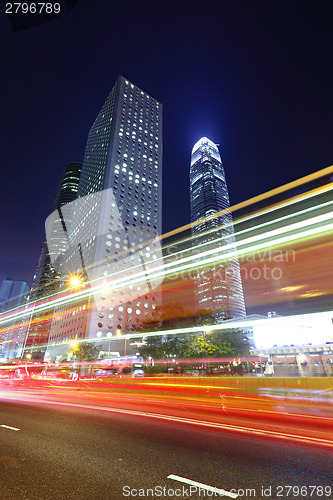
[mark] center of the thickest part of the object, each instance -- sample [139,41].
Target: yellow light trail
[160,271]
[217,230]
[256,199]
[193,261]
[188,263]
[315,192]
[237,234]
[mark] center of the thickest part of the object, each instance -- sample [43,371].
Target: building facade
[47,278]
[112,241]
[13,295]
[218,284]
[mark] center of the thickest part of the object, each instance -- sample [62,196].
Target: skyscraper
[46,279]
[12,295]
[66,191]
[218,286]
[119,208]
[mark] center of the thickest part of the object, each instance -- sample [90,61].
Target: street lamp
[75,281]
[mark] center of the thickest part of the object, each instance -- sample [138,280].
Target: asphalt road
[71,452]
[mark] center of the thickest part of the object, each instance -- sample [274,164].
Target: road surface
[82,451]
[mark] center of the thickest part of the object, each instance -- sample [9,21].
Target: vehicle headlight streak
[297,199]
[297,231]
[153,271]
[259,198]
[237,244]
[193,259]
[278,206]
[191,262]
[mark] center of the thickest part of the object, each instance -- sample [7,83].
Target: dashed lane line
[9,427]
[203,486]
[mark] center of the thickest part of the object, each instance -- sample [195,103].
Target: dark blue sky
[253,76]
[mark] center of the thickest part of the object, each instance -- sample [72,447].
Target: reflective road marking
[11,428]
[203,486]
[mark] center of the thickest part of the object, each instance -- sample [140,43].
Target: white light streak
[310,227]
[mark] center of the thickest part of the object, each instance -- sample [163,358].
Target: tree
[160,348]
[237,340]
[199,346]
[220,343]
[85,351]
[215,344]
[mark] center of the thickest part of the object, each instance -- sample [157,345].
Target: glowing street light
[75,281]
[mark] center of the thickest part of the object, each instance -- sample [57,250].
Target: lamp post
[75,281]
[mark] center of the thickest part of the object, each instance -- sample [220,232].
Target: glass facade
[13,294]
[218,287]
[118,210]
[46,280]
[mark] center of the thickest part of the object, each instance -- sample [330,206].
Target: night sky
[253,76]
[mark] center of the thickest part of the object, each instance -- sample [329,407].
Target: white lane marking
[203,486]
[11,428]
[202,423]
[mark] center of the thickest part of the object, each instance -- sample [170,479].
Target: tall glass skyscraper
[218,286]
[119,209]
[13,294]
[46,279]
